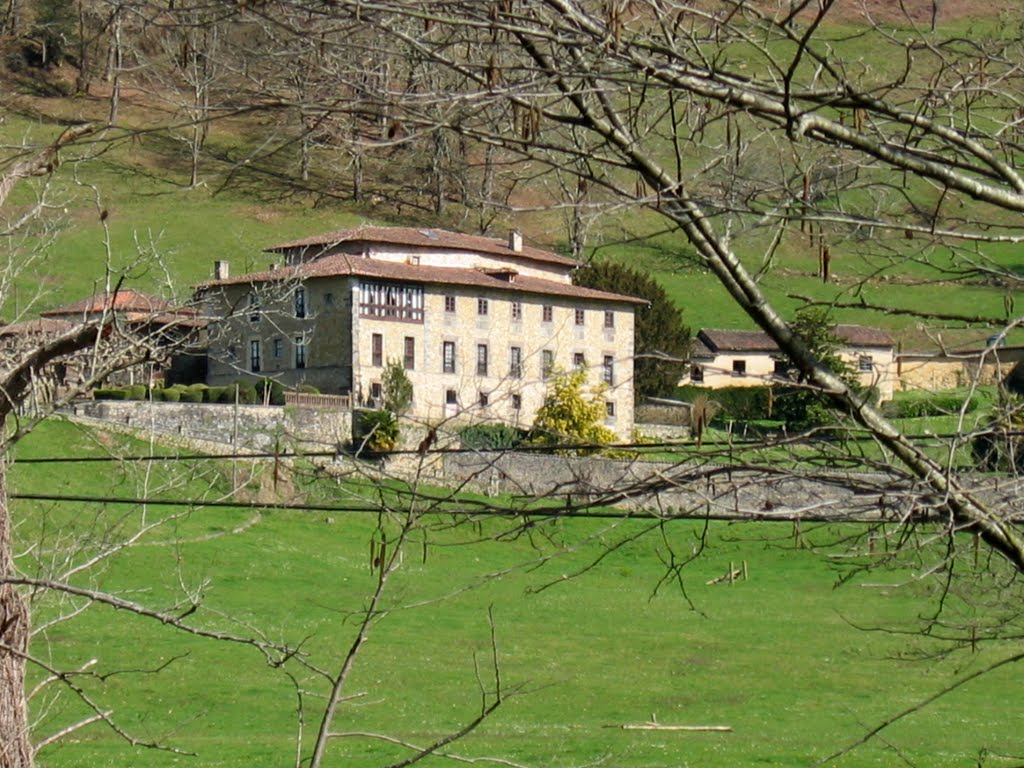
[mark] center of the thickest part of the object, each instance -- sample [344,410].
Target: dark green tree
[662,339]
[803,406]
[55,28]
[396,388]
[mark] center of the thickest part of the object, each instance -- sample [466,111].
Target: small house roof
[132,305]
[723,340]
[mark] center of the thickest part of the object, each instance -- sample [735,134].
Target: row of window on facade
[398,301]
[277,350]
[451,399]
[516,367]
[865,364]
[298,304]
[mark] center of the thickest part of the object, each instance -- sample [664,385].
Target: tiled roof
[340,265]
[129,304]
[423,238]
[718,340]
[126,300]
[700,350]
[863,336]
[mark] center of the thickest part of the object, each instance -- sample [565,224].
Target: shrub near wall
[738,403]
[915,405]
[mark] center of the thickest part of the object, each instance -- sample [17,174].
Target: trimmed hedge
[193,394]
[276,392]
[243,392]
[110,394]
[212,394]
[138,392]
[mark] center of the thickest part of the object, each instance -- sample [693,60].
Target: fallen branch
[654,725]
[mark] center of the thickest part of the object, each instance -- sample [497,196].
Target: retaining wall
[252,427]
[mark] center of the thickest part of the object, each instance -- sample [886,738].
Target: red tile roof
[128,303]
[718,340]
[341,264]
[423,238]
[126,300]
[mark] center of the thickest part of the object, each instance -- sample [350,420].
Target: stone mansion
[479,324]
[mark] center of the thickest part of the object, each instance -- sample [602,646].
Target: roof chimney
[515,241]
[220,270]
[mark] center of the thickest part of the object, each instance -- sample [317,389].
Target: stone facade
[478,324]
[935,371]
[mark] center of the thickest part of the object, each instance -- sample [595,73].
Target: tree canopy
[662,340]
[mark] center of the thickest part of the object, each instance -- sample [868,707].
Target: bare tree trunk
[114,63]
[15,749]
[84,62]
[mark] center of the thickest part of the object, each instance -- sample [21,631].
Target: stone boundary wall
[249,427]
[706,489]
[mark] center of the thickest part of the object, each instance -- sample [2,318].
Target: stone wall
[251,427]
[709,490]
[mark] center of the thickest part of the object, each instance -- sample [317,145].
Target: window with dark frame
[278,348]
[300,302]
[739,367]
[377,350]
[409,354]
[609,319]
[581,317]
[517,311]
[548,313]
[481,359]
[517,402]
[579,361]
[449,303]
[254,356]
[609,409]
[608,368]
[448,357]
[254,307]
[484,399]
[515,362]
[300,352]
[376,392]
[865,364]
[482,307]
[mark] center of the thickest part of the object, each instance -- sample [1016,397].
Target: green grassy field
[785,658]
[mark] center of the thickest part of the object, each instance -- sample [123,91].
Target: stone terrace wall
[251,427]
[712,490]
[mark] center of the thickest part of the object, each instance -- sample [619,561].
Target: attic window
[506,274]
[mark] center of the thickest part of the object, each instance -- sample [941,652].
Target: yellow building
[479,324]
[728,358]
